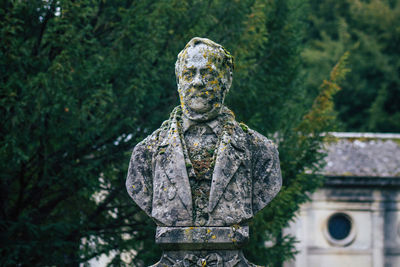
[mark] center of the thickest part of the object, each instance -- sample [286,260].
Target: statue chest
[201,144]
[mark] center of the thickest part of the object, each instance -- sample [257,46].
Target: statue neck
[200,117]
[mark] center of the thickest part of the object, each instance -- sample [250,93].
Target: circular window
[339,229]
[339,226]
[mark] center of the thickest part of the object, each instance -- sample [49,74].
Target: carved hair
[225,57]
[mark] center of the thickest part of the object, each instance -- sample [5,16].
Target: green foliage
[322,115]
[83,81]
[370,99]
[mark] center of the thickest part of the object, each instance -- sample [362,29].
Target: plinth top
[204,238]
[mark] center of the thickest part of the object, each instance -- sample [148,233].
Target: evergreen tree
[83,81]
[370,99]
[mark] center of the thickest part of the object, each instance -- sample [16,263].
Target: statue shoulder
[259,141]
[152,141]
[256,143]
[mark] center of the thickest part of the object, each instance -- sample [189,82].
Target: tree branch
[49,15]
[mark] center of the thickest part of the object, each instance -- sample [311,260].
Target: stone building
[354,219]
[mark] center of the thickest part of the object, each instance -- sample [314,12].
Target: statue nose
[198,80]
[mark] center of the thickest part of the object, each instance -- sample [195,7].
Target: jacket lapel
[230,156]
[174,166]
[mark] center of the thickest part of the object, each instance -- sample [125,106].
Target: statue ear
[229,78]
[177,68]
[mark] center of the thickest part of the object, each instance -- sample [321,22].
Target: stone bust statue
[201,168]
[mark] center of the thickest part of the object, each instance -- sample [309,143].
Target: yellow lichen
[236,226]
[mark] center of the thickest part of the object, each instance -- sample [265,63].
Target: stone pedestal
[202,246]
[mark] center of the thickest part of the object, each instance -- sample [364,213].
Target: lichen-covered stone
[202,246]
[203,258]
[201,168]
[245,178]
[202,238]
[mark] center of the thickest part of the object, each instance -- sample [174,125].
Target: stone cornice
[362,181]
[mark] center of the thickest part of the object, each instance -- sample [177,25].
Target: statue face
[202,83]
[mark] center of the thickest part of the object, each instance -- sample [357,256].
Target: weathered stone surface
[201,169]
[202,238]
[202,258]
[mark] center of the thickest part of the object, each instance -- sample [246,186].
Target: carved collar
[217,125]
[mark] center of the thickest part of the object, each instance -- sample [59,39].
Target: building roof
[363,155]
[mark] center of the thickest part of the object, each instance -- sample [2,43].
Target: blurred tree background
[83,81]
[369,30]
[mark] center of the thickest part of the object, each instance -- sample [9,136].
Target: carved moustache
[192,92]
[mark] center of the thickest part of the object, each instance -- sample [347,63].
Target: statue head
[204,75]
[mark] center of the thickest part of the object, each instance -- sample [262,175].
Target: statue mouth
[199,104]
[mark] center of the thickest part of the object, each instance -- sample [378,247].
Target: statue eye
[188,74]
[208,73]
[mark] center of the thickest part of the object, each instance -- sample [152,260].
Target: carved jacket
[245,179]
